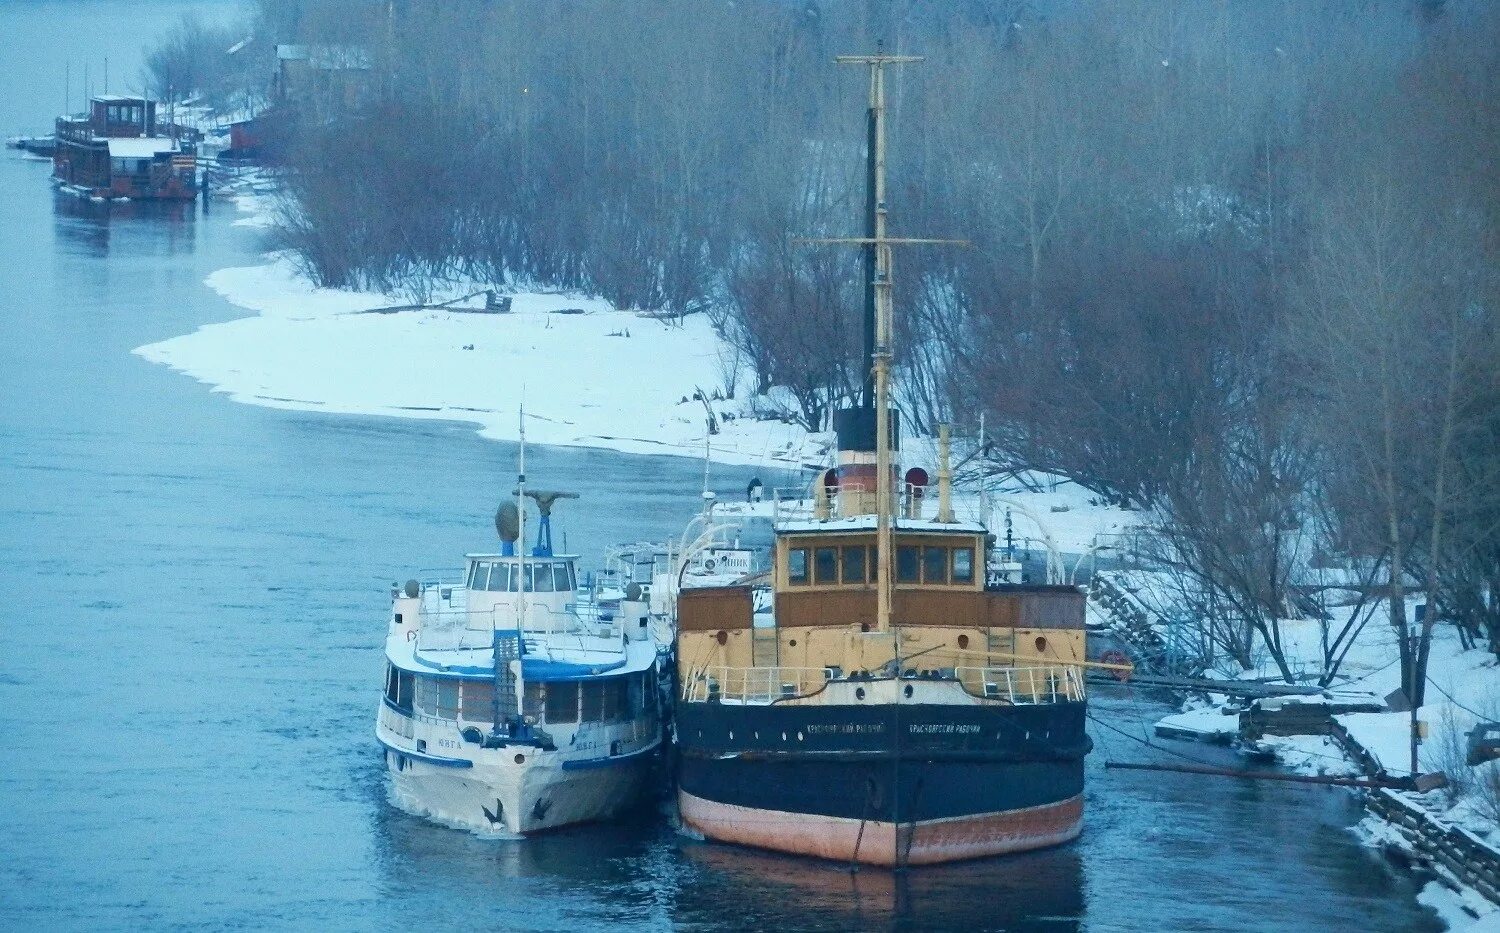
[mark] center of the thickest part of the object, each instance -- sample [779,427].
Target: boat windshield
[542,576]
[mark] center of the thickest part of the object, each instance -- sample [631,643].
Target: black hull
[898,784]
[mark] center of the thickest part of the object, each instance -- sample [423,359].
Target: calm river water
[190,648]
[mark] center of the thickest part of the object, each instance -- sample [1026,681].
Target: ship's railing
[1024,686]
[799,503]
[460,627]
[1018,685]
[753,684]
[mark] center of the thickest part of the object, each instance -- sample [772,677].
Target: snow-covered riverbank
[1464,689]
[589,375]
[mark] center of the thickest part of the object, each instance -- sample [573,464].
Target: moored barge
[119,151]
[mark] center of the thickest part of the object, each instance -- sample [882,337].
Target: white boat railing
[799,503]
[753,684]
[1019,686]
[1024,686]
[460,627]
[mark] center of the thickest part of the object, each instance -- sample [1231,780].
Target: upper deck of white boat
[562,637]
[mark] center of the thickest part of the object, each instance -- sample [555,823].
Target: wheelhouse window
[826,565]
[399,685]
[427,696]
[477,700]
[934,565]
[533,700]
[855,564]
[635,697]
[616,698]
[561,701]
[796,565]
[539,578]
[447,698]
[648,691]
[437,697]
[478,571]
[562,578]
[907,564]
[963,565]
[591,701]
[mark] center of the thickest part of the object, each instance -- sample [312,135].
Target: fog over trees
[1232,260]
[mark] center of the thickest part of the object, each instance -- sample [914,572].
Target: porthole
[908,691]
[799,736]
[963,641]
[722,638]
[792,643]
[859,693]
[864,626]
[731,736]
[783,736]
[1041,643]
[520,759]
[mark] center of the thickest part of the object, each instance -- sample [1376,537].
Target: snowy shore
[1464,688]
[590,376]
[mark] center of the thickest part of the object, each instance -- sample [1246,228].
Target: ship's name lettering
[943,728]
[845,728]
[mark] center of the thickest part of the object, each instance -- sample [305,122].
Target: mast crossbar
[893,241]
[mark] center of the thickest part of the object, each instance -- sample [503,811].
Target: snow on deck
[140,148]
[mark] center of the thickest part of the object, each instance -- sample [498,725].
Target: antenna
[879,326]
[708,495]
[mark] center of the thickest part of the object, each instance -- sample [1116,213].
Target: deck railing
[799,503]
[447,621]
[753,684]
[1020,686]
[1024,686]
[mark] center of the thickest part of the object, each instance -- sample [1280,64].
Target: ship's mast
[521,508]
[879,332]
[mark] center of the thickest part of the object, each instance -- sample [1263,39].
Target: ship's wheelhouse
[948,621]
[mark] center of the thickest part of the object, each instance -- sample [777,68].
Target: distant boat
[511,704]
[36,145]
[118,151]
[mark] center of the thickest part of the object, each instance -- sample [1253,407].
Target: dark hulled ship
[895,703]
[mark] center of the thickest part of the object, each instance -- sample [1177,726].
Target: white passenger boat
[511,704]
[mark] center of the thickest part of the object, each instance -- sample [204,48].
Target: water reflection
[86,226]
[639,871]
[1031,891]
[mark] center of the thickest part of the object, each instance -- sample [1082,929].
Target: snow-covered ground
[589,375]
